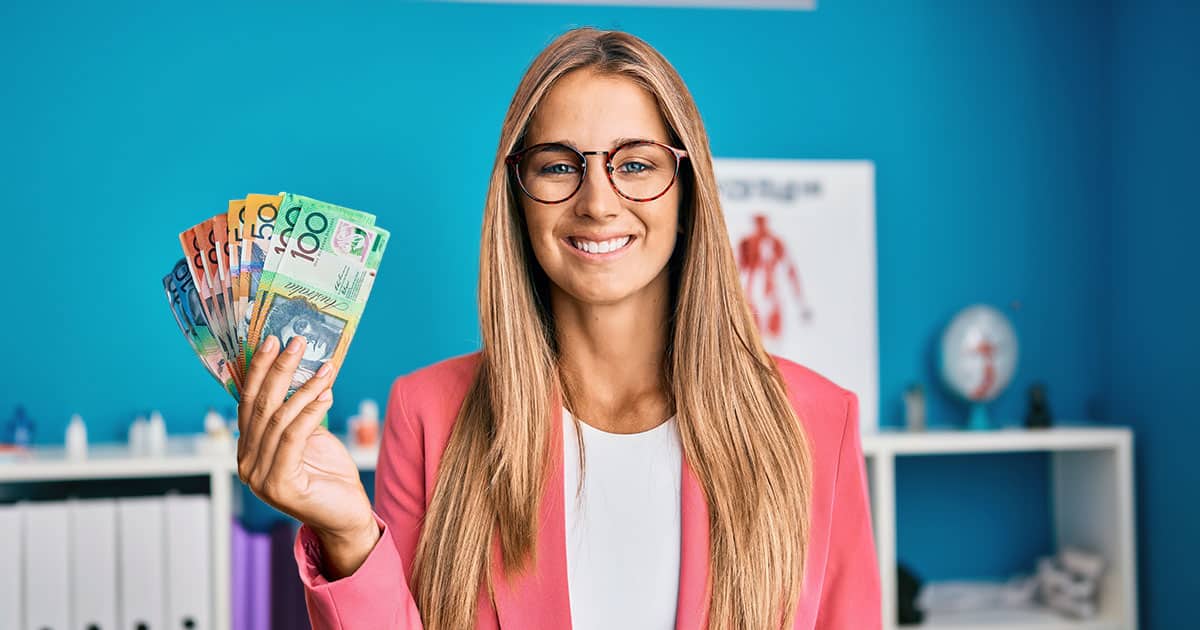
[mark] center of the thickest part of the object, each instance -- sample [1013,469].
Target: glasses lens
[643,170]
[550,173]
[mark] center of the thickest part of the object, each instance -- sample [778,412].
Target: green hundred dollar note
[285,237]
[321,283]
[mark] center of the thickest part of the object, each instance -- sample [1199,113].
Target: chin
[600,295]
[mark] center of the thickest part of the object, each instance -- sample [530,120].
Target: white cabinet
[1093,507]
[1091,478]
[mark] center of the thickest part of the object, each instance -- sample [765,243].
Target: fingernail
[269,344]
[325,395]
[323,370]
[294,345]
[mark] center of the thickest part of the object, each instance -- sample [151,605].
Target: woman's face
[595,112]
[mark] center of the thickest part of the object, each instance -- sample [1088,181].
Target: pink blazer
[841,582]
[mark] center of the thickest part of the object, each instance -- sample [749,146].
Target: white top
[623,529]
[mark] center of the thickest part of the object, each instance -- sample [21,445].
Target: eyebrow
[616,143]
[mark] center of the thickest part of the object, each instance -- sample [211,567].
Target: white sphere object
[979,353]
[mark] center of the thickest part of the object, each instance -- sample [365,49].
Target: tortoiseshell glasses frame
[513,161]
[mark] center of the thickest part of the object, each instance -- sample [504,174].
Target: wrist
[355,535]
[344,551]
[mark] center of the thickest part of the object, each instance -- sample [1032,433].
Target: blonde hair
[738,431]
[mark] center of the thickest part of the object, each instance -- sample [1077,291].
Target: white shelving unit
[1092,492]
[183,459]
[1092,483]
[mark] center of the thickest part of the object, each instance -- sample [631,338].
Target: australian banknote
[282,265]
[320,287]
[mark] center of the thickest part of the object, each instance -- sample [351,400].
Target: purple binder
[259,578]
[288,609]
[239,563]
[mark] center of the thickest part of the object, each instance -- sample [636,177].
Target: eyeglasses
[640,170]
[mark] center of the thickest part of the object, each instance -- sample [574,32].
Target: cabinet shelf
[1092,490]
[1092,487]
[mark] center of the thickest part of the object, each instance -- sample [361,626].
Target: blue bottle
[20,429]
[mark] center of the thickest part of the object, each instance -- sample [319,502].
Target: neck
[612,357]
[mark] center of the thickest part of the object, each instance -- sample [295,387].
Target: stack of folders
[136,563]
[267,592]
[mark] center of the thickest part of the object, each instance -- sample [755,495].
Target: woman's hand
[296,465]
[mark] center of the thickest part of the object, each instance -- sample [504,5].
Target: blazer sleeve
[850,598]
[377,595]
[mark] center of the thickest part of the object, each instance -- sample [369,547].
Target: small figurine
[217,438]
[1070,582]
[914,407]
[1038,416]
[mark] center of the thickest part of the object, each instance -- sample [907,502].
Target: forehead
[592,111]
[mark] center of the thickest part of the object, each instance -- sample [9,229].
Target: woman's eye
[558,169]
[634,168]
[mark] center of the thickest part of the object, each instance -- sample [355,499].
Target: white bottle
[217,439]
[76,438]
[156,435]
[137,436]
[213,422]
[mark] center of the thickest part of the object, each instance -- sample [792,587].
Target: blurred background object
[978,358]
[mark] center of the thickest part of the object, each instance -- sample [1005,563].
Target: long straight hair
[738,431]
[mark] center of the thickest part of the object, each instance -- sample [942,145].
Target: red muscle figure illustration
[761,258]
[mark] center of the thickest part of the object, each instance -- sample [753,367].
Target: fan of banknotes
[282,265]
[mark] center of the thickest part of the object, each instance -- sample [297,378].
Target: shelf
[108,461]
[184,458]
[1013,620]
[1091,485]
[958,441]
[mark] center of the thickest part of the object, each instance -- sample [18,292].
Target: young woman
[622,452]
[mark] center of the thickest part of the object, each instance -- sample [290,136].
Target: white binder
[141,563]
[188,573]
[93,554]
[47,598]
[11,598]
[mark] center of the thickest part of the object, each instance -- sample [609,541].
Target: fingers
[259,363]
[305,398]
[272,385]
[294,437]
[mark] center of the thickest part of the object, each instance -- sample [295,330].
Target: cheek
[540,231]
[663,225]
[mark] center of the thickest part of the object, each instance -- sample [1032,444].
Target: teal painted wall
[989,125]
[1155,306]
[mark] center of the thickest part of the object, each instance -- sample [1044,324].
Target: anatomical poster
[803,233]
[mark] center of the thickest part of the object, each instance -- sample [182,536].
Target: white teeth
[593,247]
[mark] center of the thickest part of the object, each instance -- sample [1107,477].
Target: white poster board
[804,236]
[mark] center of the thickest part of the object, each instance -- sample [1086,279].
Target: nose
[596,197]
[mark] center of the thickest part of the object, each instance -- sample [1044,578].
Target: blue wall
[1155,305]
[988,122]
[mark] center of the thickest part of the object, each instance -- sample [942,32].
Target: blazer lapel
[538,598]
[691,612]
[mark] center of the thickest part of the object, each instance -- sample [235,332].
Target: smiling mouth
[600,247]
